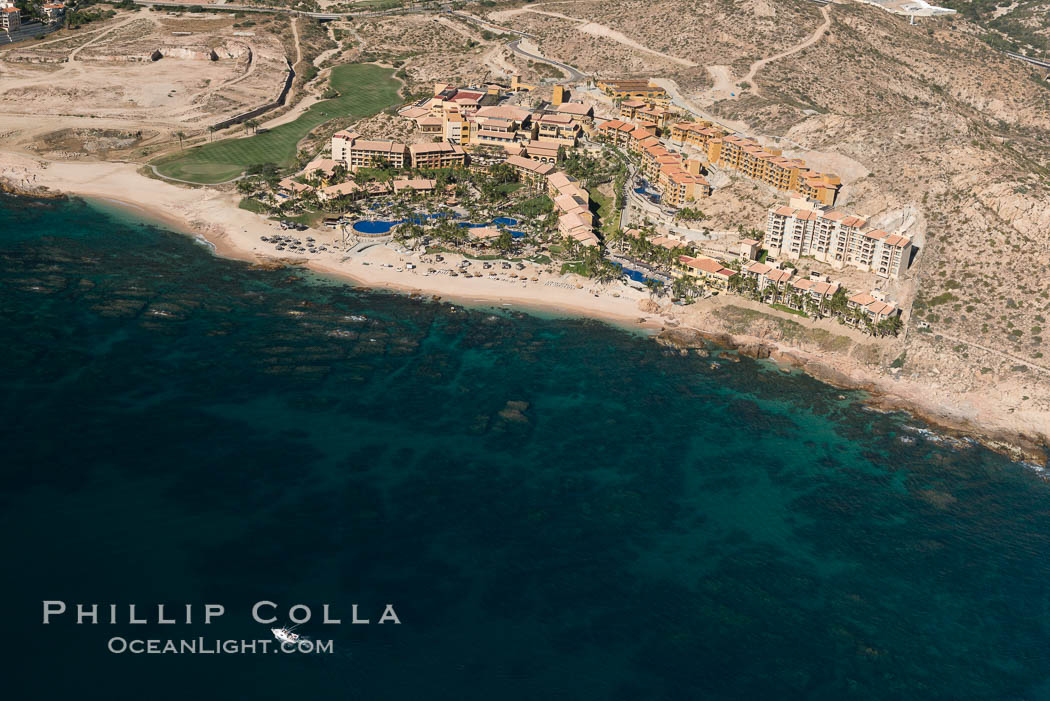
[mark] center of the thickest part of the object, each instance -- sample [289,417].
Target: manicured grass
[364,90]
[789,310]
[607,216]
[253,205]
[577,268]
[311,219]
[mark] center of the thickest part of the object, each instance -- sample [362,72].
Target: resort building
[767,165]
[53,11]
[429,124]
[341,141]
[573,204]
[537,151]
[629,108]
[341,190]
[413,185]
[872,306]
[10,17]
[439,155]
[769,279]
[455,127]
[697,134]
[817,292]
[576,110]
[355,152]
[634,89]
[679,186]
[803,229]
[679,181]
[367,153]
[819,187]
[655,117]
[749,249]
[321,167]
[560,183]
[617,131]
[557,128]
[289,187]
[532,173]
[707,269]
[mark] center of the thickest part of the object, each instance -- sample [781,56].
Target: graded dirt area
[139,75]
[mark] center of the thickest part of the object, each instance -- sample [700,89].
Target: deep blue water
[558,509]
[377,226]
[636,275]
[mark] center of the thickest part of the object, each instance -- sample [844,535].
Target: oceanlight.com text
[203,646]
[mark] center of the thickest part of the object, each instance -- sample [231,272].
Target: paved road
[1028,59]
[489,25]
[575,76]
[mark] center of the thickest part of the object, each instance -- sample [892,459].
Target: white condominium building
[805,229]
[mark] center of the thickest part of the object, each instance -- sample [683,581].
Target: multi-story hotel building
[440,155]
[679,181]
[637,89]
[349,148]
[873,306]
[10,17]
[803,229]
[696,134]
[617,131]
[560,129]
[707,269]
[768,165]
[533,173]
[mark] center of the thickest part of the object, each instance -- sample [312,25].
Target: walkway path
[190,182]
[1008,356]
[810,41]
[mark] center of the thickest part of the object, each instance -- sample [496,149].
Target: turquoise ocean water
[557,509]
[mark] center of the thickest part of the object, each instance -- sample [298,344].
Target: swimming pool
[635,275]
[376,226]
[505,221]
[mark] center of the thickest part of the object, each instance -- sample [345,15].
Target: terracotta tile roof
[707,265]
[347,188]
[441,147]
[574,108]
[862,298]
[504,112]
[531,165]
[379,146]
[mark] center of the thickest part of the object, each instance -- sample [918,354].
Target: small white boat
[285,635]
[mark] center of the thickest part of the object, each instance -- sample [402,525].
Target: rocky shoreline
[1015,445]
[37,191]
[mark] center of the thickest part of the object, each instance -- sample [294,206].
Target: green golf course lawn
[364,89]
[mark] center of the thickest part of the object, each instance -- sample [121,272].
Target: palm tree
[253,125]
[211,131]
[656,288]
[180,135]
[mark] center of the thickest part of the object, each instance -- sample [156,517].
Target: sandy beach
[235,233]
